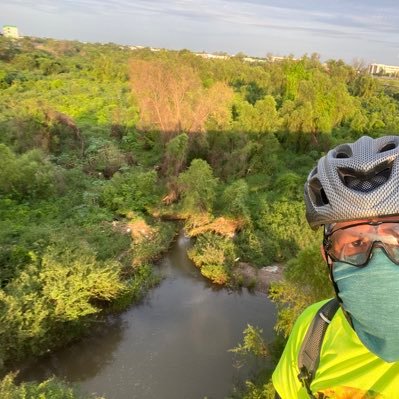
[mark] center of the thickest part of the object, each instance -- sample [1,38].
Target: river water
[173,345]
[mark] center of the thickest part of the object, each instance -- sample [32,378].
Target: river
[173,345]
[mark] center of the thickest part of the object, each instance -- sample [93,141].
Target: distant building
[274,58]
[381,69]
[10,31]
[251,59]
[212,56]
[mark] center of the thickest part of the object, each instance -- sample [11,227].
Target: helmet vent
[365,182]
[324,196]
[343,151]
[313,173]
[341,155]
[317,193]
[388,147]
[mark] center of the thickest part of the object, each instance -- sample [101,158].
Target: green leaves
[29,176]
[284,221]
[49,389]
[307,281]
[62,289]
[214,255]
[134,190]
[197,186]
[253,343]
[175,155]
[261,117]
[73,280]
[235,199]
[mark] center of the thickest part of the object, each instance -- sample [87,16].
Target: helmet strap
[330,265]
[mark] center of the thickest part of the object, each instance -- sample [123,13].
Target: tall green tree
[198,187]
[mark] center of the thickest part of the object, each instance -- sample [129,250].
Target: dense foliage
[98,143]
[49,389]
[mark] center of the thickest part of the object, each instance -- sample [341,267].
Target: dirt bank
[259,279]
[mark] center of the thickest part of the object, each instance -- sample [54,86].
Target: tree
[359,65]
[295,72]
[172,98]
[261,117]
[240,55]
[8,49]
[320,105]
[338,70]
[364,86]
[235,198]
[197,186]
[176,155]
[306,282]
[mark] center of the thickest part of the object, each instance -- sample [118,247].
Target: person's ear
[323,254]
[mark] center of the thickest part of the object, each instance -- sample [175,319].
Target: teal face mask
[371,296]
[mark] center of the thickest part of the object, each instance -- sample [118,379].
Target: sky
[346,29]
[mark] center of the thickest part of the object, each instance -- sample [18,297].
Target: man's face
[352,242]
[364,258]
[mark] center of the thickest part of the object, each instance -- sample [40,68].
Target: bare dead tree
[172,98]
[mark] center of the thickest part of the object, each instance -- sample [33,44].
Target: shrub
[254,346]
[197,185]
[256,246]
[51,298]
[26,176]
[141,280]
[214,255]
[306,282]
[104,157]
[131,191]
[218,274]
[235,198]
[284,222]
[147,250]
[49,389]
[253,343]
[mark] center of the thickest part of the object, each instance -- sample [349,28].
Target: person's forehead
[339,225]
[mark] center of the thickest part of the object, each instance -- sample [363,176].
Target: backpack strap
[309,355]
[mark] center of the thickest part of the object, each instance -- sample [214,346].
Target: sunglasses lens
[353,244]
[393,252]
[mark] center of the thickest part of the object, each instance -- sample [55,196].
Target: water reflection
[173,345]
[82,360]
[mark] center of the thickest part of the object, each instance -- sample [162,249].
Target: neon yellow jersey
[347,368]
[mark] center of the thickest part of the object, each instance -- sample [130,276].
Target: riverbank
[170,346]
[258,279]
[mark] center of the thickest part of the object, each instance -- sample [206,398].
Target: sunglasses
[353,244]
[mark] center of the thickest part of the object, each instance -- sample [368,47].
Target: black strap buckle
[306,379]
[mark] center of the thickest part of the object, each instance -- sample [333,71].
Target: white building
[10,31]
[375,69]
[212,56]
[250,59]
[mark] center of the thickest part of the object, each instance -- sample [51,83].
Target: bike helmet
[354,181]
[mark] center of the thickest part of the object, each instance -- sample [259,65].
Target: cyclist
[349,348]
